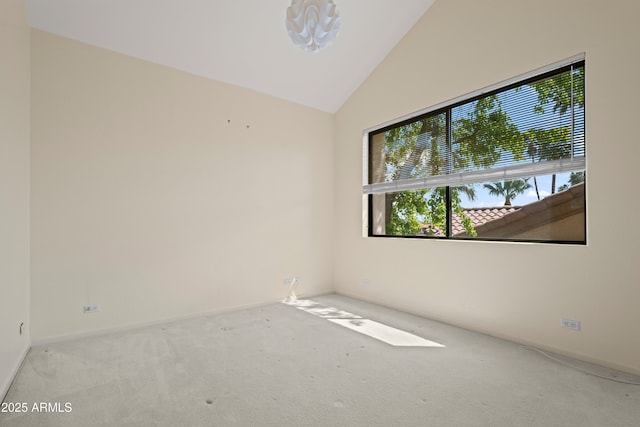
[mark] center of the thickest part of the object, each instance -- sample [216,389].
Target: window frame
[446,108]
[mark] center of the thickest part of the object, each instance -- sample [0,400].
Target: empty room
[319,213]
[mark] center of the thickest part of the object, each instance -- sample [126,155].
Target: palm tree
[508,189]
[574,179]
[533,152]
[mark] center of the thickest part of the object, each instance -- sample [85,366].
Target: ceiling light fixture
[312,24]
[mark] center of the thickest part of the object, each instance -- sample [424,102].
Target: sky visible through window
[532,127]
[485,200]
[521,116]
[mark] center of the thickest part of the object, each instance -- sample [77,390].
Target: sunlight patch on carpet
[379,331]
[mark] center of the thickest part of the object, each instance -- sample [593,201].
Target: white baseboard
[7,385]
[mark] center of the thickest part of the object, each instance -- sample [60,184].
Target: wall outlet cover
[571,324]
[94,308]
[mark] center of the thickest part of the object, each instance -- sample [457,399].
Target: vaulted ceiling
[241,42]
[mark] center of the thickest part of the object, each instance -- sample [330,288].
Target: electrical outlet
[94,308]
[571,324]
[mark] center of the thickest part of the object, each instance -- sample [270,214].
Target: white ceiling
[242,42]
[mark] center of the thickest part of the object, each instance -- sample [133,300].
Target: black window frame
[447,108]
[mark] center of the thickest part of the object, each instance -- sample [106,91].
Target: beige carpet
[280,365]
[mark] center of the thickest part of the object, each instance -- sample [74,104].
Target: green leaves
[416,149]
[407,208]
[548,144]
[482,135]
[574,179]
[476,135]
[563,91]
[414,210]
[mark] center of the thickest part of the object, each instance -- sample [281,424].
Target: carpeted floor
[280,365]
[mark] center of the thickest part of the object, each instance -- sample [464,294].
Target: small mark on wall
[248,126]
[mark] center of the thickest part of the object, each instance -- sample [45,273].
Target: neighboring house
[557,217]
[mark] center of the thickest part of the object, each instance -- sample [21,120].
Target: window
[508,163]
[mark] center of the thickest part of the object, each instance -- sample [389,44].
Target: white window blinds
[531,127]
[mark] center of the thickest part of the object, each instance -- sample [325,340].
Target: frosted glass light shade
[312,24]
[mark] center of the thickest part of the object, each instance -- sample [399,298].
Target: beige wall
[518,291]
[14,188]
[158,194]
[138,205]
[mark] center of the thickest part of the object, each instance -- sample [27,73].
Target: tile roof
[478,216]
[564,203]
